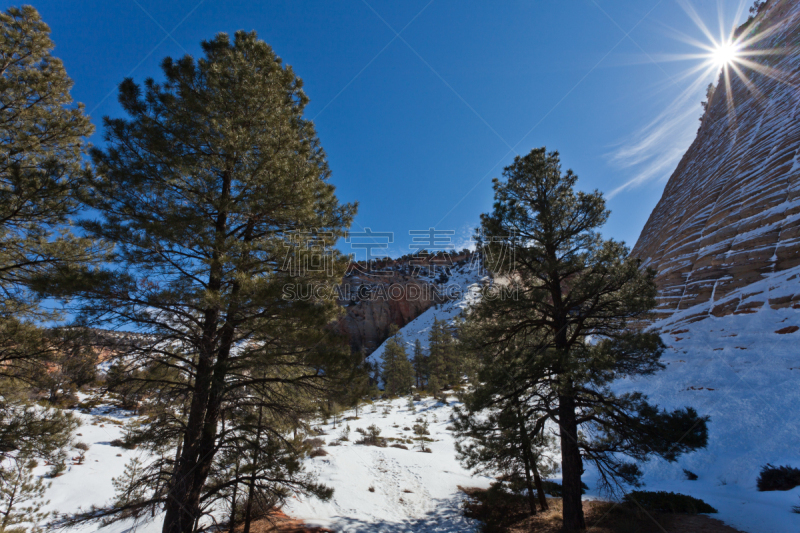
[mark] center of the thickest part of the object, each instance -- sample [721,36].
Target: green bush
[778,478]
[668,502]
[553,488]
[496,507]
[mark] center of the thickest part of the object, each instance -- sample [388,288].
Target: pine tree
[436,364]
[570,287]
[21,496]
[500,426]
[419,361]
[40,162]
[396,370]
[215,194]
[443,363]
[40,170]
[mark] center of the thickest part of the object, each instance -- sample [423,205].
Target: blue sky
[416,125]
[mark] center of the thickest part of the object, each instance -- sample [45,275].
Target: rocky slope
[730,213]
[392,293]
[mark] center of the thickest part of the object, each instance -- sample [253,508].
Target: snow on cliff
[730,212]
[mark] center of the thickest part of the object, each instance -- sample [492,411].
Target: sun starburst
[725,53]
[739,52]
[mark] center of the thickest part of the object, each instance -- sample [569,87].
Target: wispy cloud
[653,151]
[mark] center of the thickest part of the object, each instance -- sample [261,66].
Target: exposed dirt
[604,517]
[279,522]
[607,517]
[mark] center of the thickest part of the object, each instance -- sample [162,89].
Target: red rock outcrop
[730,212]
[392,293]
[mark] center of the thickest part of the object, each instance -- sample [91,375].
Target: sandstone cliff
[391,293]
[730,213]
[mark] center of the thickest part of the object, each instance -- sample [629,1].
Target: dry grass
[606,517]
[278,522]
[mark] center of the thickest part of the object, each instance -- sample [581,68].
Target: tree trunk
[537,479]
[529,483]
[526,456]
[233,497]
[183,501]
[179,513]
[248,515]
[571,465]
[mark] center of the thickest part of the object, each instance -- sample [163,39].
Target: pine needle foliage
[40,161]
[396,369]
[215,194]
[21,497]
[570,328]
[43,140]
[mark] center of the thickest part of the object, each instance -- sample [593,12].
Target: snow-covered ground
[90,483]
[412,491]
[735,368]
[746,377]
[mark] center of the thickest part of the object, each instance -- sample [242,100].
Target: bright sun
[725,53]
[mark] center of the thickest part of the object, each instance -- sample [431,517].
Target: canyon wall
[392,292]
[730,213]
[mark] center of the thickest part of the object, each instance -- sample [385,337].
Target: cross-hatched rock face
[730,212]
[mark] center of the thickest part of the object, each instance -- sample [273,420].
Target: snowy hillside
[411,490]
[464,288]
[739,370]
[391,489]
[743,370]
[90,483]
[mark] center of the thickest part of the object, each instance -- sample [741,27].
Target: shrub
[401,446]
[318,452]
[81,446]
[553,488]
[119,443]
[691,476]
[372,437]
[496,507]
[314,443]
[668,502]
[778,478]
[57,469]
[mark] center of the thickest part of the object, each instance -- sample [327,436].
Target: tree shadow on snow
[446,517]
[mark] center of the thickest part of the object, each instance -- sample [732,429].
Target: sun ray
[747,51]
[729,99]
[766,70]
[690,10]
[755,91]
